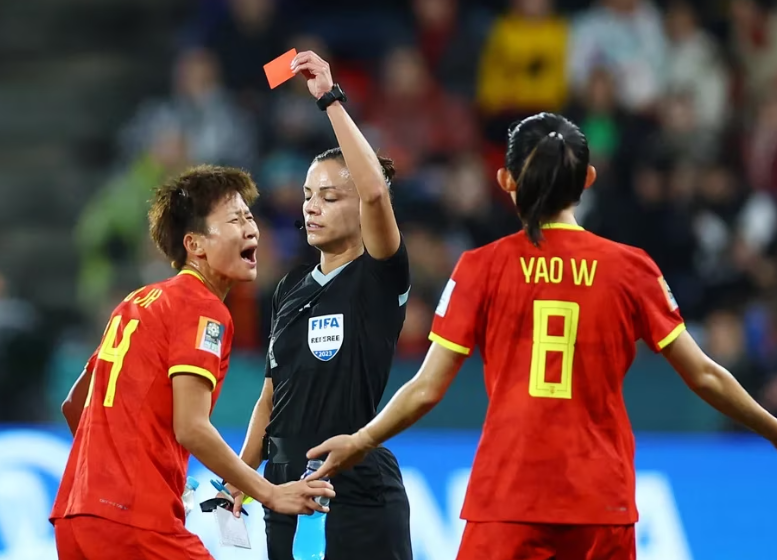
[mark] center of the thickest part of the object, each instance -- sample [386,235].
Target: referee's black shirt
[332,344]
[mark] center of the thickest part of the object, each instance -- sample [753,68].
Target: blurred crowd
[679,104]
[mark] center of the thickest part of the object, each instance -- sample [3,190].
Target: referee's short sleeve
[394,270]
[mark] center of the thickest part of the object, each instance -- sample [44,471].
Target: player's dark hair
[386,164]
[547,155]
[182,205]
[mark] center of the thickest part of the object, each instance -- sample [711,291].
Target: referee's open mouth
[249,255]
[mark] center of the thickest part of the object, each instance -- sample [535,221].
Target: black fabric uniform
[332,343]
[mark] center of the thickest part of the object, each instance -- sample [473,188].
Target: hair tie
[555,134]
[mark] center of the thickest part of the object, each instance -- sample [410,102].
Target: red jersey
[557,328]
[125,464]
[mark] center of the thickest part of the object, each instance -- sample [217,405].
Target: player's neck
[564,217]
[216,283]
[332,261]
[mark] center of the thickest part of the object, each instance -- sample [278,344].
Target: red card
[279,70]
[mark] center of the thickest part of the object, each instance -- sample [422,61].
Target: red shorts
[93,538]
[529,541]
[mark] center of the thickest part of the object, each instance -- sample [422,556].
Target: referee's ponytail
[547,156]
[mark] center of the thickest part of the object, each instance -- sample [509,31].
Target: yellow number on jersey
[544,343]
[114,354]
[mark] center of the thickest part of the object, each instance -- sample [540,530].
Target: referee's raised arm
[380,232]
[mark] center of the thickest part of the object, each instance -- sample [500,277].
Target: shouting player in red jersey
[143,402]
[556,312]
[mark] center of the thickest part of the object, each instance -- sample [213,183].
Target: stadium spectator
[734,228]
[291,122]
[695,66]
[680,134]
[725,343]
[761,147]
[216,129]
[415,118]
[473,215]
[450,35]
[627,37]
[246,35]
[523,67]
[110,234]
[754,45]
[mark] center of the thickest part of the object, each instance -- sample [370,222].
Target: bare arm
[416,397]
[379,226]
[251,453]
[73,405]
[193,430]
[718,387]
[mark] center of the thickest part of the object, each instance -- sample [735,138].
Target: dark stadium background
[101,99]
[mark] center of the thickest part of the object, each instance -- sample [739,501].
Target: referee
[335,327]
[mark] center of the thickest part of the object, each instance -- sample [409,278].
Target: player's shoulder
[627,254]
[634,256]
[634,264]
[187,294]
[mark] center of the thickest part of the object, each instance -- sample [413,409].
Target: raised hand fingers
[307,56]
[310,67]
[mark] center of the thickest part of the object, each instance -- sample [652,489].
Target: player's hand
[237,495]
[344,452]
[295,498]
[315,70]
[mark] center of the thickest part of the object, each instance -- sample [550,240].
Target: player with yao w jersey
[556,327]
[556,312]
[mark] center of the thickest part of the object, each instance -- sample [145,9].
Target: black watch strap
[335,94]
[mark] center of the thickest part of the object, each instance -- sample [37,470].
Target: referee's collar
[322,278]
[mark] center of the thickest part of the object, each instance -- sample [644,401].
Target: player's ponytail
[548,157]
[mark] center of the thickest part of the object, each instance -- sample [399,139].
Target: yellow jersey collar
[559,225]
[194,273]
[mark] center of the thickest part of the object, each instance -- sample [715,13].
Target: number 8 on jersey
[543,343]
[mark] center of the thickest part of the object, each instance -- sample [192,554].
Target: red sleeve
[199,343]
[659,315]
[91,361]
[456,318]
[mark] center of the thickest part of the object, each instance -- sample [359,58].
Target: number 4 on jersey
[114,354]
[543,343]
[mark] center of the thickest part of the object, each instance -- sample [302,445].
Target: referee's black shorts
[369,518]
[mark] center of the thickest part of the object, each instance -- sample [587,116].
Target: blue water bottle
[310,538]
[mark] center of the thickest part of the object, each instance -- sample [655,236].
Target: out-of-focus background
[100,100]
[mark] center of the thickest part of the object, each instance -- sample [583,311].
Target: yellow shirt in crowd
[524,66]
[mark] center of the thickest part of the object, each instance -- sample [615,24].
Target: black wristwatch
[335,94]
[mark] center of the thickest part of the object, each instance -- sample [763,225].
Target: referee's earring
[505,180]
[590,176]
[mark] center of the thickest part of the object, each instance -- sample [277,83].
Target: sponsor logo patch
[210,335]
